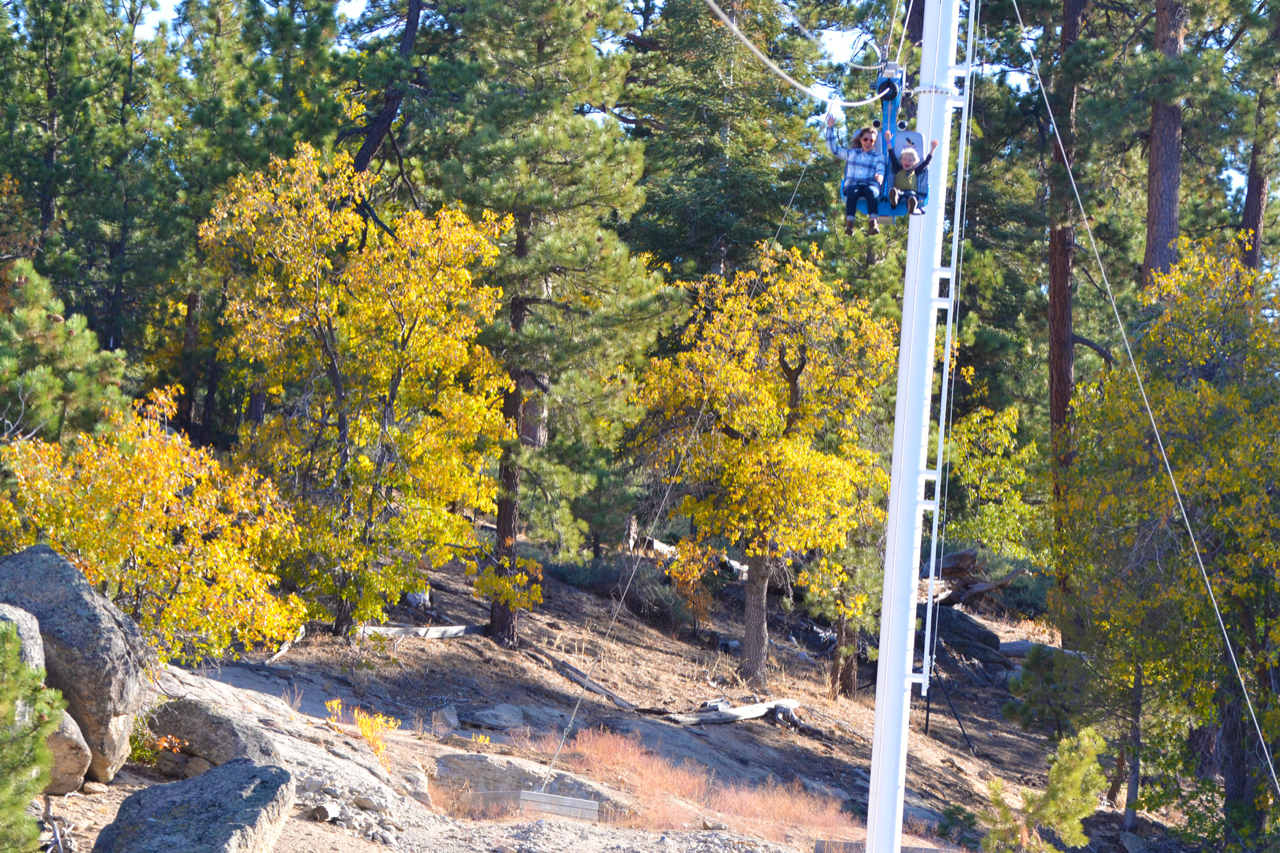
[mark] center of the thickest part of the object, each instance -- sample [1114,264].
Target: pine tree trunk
[1062,240]
[1261,158]
[502,619]
[1237,742]
[1256,188]
[837,659]
[1130,820]
[755,640]
[210,400]
[1164,163]
[849,670]
[1113,793]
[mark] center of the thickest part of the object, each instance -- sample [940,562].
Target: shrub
[1075,781]
[170,536]
[650,595]
[29,712]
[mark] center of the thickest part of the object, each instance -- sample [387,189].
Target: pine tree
[29,712]
[512,127]
[725,140]
[53,376]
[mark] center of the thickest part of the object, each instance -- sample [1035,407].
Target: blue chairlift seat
[891,80]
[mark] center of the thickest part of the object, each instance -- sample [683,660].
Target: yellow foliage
[1210,357]
[373,728]
[177,541]
[517,589]
[993,470]
[759,419]
[385,411]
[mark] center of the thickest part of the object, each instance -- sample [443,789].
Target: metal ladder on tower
[924,298]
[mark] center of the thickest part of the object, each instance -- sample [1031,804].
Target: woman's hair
[863,132]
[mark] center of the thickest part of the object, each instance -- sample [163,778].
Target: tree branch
[1096,347]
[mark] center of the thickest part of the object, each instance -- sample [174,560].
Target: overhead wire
[960,213]
[902,41]
[783,75]
[1146,403]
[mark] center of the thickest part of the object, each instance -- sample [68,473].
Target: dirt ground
[968,742]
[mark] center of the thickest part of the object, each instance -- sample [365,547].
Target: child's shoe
[894,195]
[848,225]
[911,205]
[874,226]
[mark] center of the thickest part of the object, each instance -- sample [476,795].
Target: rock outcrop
[238,807]
[93,653]
[210,734]
[31,647]
[71,757]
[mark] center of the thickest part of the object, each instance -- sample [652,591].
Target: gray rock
[211,734]
[238,807]
[822,789]
[196,766]
[1134,843]
[370,804]
[172,764]
[31,646]
[965,636]
[71,757]
[325,812]
[498,717]
[445,718]
[93,653]
[481,772]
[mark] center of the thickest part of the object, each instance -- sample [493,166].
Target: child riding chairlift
[864,175]
[909,171]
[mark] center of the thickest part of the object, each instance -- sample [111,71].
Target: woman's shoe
[848,225]
[873,227]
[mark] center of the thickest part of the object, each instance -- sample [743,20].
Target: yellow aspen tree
[384,413]
[181,544]
[1209,352]
[758,423]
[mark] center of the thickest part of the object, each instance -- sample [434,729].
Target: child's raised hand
[888,135]
[933,146]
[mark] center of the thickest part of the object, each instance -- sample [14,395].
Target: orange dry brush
[372,728]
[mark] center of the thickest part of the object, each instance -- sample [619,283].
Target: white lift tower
[929,289]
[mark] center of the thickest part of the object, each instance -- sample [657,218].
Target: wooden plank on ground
[444,632]
[733,715]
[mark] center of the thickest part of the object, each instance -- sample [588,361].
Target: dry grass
[683,796]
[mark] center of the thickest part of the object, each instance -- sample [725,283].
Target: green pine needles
[29,712]
[1075,781]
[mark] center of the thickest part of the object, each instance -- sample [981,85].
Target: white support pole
[936,99]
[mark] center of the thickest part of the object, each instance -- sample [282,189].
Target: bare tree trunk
[1164,162]
[1130,820]
[755,640]
[190,370]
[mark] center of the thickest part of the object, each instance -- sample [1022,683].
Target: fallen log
[446,632]
[578,677]
[733,715]
[1022,648]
